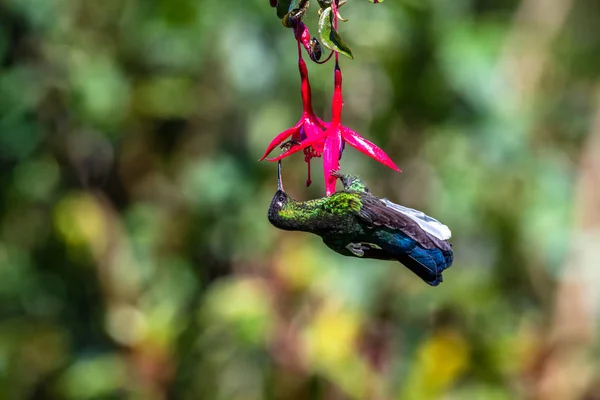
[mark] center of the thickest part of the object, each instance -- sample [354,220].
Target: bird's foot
[351,182]
[336,173]
[356,249]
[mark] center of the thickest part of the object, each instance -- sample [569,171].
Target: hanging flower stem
[315,137]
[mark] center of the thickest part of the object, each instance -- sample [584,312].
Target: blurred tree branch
[526,51]
[565,365]
[568,370]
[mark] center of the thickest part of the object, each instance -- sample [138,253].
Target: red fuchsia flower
[309,125]
[316,137]
[334,139]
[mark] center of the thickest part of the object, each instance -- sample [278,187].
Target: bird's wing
[381,212]
[427,223]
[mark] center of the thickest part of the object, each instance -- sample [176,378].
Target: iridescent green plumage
[353,222]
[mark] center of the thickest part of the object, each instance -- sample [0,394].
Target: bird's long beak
[279,184]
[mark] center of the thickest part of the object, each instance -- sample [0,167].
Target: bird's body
[354,222]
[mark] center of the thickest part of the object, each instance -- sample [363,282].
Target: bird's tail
[427,264]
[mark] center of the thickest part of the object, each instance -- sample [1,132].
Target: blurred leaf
[36,179]
[330,322]
[165,97]
[80,220]
[243,307]
[99,88]
[15,270]
[440,361]
[212,182]
[93,377]
[19,136]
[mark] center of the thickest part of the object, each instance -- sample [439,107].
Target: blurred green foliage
[136,260]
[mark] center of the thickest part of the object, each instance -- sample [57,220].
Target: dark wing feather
[374,212]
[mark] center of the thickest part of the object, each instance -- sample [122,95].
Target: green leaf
[283,7]
[329,36]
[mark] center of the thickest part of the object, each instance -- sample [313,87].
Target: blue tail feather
[428,264]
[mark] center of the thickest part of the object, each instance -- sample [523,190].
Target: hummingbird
[354,222]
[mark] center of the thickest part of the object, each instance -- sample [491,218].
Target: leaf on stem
[329,36]
[283,7]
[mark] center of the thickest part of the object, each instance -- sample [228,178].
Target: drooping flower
[334,138]
[315,137]
[309,125]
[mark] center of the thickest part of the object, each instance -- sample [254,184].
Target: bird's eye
[281,199]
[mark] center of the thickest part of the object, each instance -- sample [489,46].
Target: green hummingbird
[353,222]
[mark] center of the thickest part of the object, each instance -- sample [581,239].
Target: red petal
[280,138]
[305,90]
[318,149]
[331,159]
[322,123]
[338,102]
[311,131]
[368,148]
[301,146]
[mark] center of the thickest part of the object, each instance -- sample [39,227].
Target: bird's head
[279,202]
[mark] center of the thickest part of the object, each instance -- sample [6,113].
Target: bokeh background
[136,259]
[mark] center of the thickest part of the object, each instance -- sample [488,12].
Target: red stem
[304,82]
[305,88]
[296,35]
[336,112]
[335,26]
[338,101]
[327,59]
[334,7]
[308,181]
